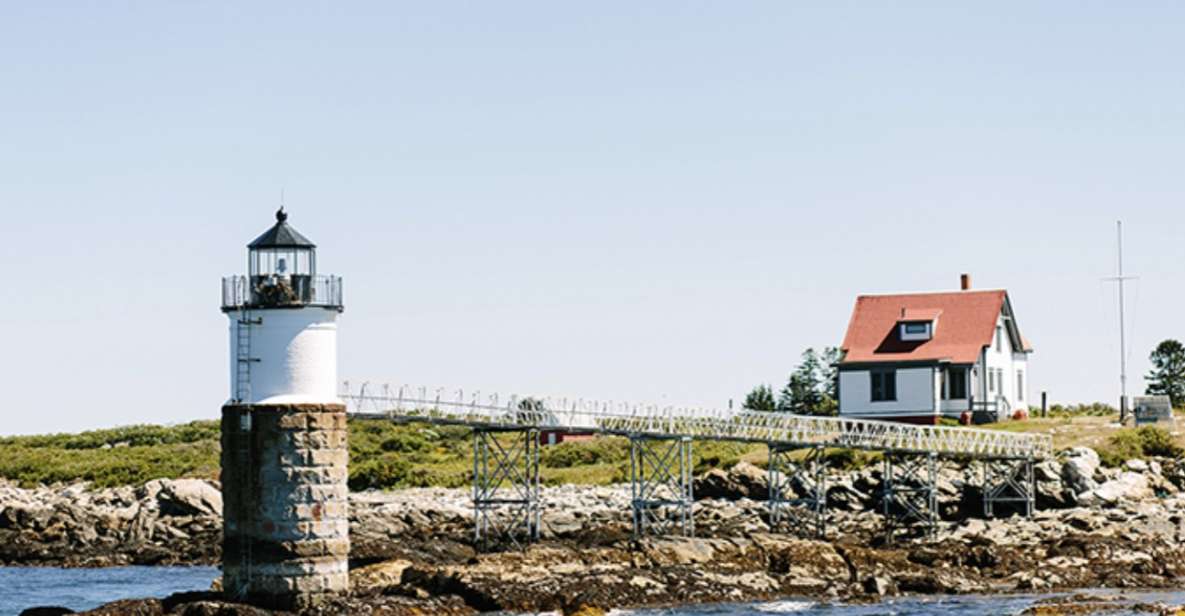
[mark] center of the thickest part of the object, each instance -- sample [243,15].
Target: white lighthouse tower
[283,322]
[285,539]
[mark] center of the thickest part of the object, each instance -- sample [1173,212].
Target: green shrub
[1131,444]
[850,459]
[1093,409]
[437,477]
[405,442]
[379,473]
[1123,446]
[571,454]
[707,455]
[1158,442]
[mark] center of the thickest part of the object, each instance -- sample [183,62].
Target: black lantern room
[281,252]
[281,272]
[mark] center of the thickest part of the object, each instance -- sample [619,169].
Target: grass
[386,455]
[1094,431]
[119,456]
[382,455]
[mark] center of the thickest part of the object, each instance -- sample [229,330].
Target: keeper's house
[917,357]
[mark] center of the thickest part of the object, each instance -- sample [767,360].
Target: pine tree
[830,365]
[760,399]
[813,386]
[803,394]
[1167,377]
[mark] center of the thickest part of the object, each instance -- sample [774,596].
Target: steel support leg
[660,486]
[798,491]
[1009,482]
[910,498]
[506,487]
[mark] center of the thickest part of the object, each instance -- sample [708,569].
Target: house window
[884,385]
[991,380]
[912,331]
[1020,385]
[999,339]
[956,383]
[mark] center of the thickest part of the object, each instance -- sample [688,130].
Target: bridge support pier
[660,485]
[910,498]
[798,491]
[506,488]
[1009,482]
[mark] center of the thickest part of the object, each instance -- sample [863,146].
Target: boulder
[378,576]
[1051,490]
[220,608]
[1049,470]
[1128,486]
[129,607]
[1174,472]
[741,481]
[879,585]
[844,496]
[180,497]
[1079,469]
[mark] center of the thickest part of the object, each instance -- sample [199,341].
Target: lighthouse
[284,441]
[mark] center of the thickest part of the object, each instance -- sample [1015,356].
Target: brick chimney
[965,282]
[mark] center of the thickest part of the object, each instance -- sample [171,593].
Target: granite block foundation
[286,537]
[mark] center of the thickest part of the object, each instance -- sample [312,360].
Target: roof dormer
[917,324]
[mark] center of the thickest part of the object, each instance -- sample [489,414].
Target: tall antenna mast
[1120,278]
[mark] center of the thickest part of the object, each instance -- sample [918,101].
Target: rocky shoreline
[412,551]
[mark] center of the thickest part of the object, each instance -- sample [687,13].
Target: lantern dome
[281,235]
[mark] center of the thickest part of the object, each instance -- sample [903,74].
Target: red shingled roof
[966,322]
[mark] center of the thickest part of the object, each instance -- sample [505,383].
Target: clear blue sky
[658,202]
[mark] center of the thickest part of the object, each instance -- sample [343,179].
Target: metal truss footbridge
[506,469]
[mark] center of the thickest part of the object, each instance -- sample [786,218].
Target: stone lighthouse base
[286,537]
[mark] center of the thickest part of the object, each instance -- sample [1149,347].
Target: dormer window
[917,330]
[917,325]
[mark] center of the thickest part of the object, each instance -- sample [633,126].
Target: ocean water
[81,589]
[968,605]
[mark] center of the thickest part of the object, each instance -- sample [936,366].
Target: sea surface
[968,605]
[80,589]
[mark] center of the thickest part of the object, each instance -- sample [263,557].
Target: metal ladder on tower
[242,395]
[243,357]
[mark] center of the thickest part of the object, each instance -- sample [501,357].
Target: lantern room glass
[282,262]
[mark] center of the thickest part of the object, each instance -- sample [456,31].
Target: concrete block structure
[284,441]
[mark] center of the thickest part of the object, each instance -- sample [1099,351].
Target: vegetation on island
[1167,377]
[811,389]
[382,455]
[387,455]
[117,456]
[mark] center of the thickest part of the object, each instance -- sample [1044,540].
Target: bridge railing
[515,412]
